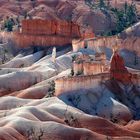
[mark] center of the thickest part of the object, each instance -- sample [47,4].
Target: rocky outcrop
[25,41]
[99,44]
[49,117]
[118,71]
[70,84]
[88,68]
[92,68]
[45,33]
[133,31]
[50,27]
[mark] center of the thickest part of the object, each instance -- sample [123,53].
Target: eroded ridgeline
[69,84]
[99,43]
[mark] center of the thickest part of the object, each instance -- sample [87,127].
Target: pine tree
[102,4]
[9,23]
[132,14]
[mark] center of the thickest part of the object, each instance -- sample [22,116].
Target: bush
[8,24]
[72,72]
[51,89]
[73,58]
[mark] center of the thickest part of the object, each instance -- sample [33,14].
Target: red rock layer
[24,41]
[46,27]
[118,70]
[38,32]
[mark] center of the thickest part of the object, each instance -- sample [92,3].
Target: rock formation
[45,33]
[54,54]
[99,44]
[50,27]
[86,107]
[90,65]
[26,113]
[118,71]
[26,41]
[70,10]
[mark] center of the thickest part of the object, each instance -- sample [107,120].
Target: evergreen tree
[9,23]
[102,4]
[132,14]
[125,17]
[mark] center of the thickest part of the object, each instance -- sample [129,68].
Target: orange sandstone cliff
[44,33]
[50,27]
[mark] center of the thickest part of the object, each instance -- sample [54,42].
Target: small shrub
[79,73]
[51,89]
[73,58]
[8,24]
[72,72]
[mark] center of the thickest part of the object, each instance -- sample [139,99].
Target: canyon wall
[91,68]
[89,65]
[78,44]
[88,68]
[20,40]
[46,33]
[51,27]
[98,44]
[77,68]
[95,43]
[69,84]
[94,75]
[24,41]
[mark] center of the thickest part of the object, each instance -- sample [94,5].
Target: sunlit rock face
[45,33]
[50,27]
[118,70]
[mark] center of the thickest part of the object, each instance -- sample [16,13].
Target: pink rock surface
[50,118]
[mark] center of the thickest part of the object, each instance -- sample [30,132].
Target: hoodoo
[118,71]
